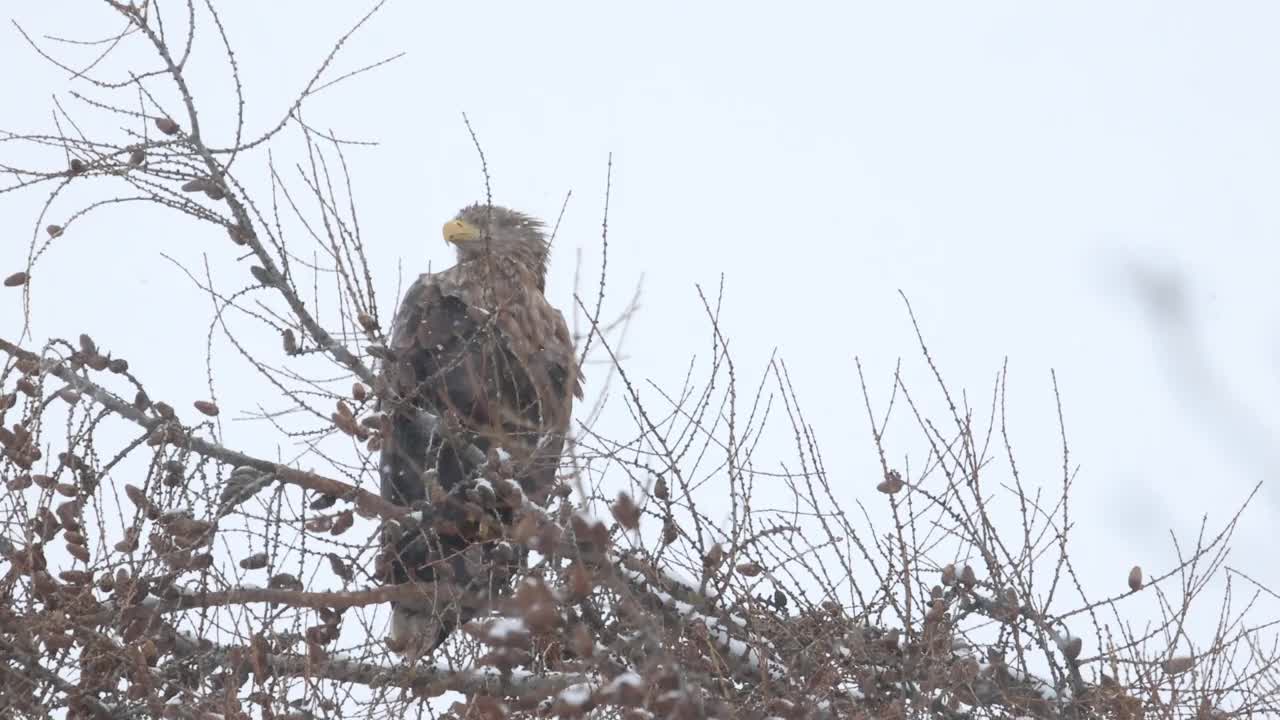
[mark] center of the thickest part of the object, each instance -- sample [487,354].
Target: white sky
[1006,165]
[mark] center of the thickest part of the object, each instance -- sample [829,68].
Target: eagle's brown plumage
[479,346]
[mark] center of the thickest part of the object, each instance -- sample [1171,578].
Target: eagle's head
[481,229]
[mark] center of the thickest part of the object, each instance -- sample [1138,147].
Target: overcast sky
[1030,175]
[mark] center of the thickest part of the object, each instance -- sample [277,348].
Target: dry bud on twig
[625,512]
[254,561]
[1070,646]
[342,522]
[713,558]
[891,484]
[1135,579]
[284,581]
[339,567]
[949,575]
[660,489]
[670,533]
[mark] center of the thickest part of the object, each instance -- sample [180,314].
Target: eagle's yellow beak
[460,231]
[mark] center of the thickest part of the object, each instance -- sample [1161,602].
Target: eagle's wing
[480,345]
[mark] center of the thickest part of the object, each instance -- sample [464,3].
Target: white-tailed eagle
[478,346]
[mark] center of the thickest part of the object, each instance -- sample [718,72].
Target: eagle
[479,347]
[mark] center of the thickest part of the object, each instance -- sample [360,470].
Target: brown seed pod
[949,575]
[137,496]
[1070,646]
[238,234]
[118,365]
[660,489]
[206,407]
[17,279]
[167,126]
[1178,665]
[339,567]
[1135,579]
[79,552]
[290,342]
[937,610]
[77,577]
[713,558]
[77,166]
[137,157]
[342,522]
[891,484]
[54,230]
[345,423]
[625,512]
[254,561]
[579,581]
[284,581]
[968,577]
[260,274]
[359,392]
[129,543]
[749,569]
[70,460]
[164,410]
[670,533]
